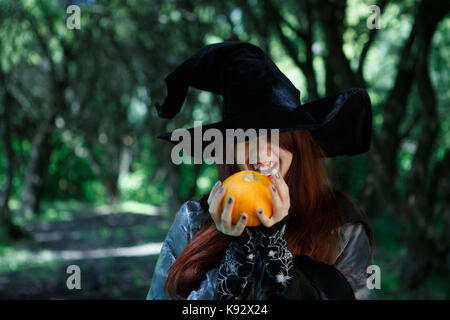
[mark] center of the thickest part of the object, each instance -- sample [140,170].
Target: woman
[317,244]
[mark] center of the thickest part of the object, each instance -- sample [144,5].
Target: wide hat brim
[341,124]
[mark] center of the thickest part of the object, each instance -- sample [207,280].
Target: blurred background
[84,181]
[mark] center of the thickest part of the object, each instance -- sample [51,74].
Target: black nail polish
[273,188]
[259,211]
[244,217]
[229,199]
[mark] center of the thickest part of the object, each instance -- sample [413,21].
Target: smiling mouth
[265,168]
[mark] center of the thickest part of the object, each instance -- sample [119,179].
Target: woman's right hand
[223,219]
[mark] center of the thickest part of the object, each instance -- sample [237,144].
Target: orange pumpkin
[250,191]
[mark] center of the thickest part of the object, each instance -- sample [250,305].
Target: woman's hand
[281,202]
[223,219]
[271,242]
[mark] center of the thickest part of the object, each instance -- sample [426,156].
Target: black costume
[258,264]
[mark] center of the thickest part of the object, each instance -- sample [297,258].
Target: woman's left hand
[281,202]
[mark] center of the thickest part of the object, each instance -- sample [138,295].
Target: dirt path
[116,254]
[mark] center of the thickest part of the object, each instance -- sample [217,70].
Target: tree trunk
[108,176]
[14,231]
[37,169]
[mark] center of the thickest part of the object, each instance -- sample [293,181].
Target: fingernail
[244,216]
[259,211]
[220,190]
[277,175]
[273,188]
[229,199]
[217,183]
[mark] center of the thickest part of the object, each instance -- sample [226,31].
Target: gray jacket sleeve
[353,259]
[188,220]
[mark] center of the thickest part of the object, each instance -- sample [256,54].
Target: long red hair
[311,230]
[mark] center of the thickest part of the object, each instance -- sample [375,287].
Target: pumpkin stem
[250,177]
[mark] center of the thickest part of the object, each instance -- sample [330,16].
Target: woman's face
[262,156]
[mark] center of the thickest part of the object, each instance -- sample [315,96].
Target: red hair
[311,230]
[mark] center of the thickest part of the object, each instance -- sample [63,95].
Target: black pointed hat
[256,94]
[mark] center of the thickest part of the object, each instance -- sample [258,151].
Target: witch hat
[256,94]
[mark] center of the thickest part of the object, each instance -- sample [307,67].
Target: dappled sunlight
[129,207]
[15,259]
[140,250]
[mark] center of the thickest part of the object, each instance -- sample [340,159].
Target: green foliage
[69,175]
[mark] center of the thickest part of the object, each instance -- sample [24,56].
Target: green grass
[13,259]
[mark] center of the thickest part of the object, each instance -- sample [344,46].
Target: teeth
[261,168]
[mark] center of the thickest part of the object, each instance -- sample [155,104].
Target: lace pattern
[276,256]
[236,268]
